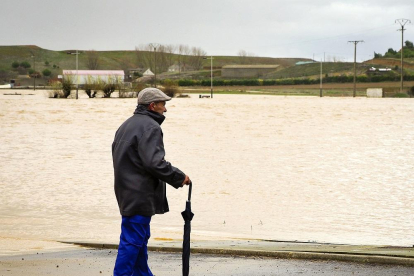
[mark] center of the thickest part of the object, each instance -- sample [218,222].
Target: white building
[89,76]
[148,73]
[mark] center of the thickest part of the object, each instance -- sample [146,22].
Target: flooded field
[268,167]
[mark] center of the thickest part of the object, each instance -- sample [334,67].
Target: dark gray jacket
[139,165]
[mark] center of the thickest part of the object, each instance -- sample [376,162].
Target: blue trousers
[132,258]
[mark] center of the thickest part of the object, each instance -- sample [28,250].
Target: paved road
[89,262]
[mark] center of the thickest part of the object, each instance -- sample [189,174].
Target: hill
[56,61]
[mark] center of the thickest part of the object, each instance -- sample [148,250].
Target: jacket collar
[142,110]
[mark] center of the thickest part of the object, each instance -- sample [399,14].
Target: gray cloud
[264,27]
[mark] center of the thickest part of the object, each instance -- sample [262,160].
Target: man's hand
[186,181]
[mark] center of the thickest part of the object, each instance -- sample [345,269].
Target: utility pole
[320,87]
[34,74]
[402,22]
[155,46]
[355,45]
[211,74]
[77,75]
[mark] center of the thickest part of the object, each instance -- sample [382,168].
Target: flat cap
[149,95]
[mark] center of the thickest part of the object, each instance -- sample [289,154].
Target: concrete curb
[302,255]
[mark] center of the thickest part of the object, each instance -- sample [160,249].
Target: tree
[245,57]
[170,50]
[143,57]
[47,63]
[196,58]
[377,55]
[409,44]
[411,92]
[183,56]
[46,73]
[242,57]
[25,64]
[15,64]
[92,61]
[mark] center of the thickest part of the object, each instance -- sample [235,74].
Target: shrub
[46,73]
[47,63]
[170,88]
[15,64]
[31,71]
[108,89]
[186,82]
[56,90]
[137,74]
[66,86]
[89,87]
[25,64]
[400,95]
[411,91]
[138,87]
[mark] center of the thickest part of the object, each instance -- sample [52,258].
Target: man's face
[158,107]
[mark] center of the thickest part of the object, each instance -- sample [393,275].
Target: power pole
[355,45]
[402,22]
[34,74]
[155,46]
[320,85]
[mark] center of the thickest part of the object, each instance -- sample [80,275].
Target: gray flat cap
[149,95]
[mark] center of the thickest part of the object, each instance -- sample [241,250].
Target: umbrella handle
[189,191]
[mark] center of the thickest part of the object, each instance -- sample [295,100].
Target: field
[391,89]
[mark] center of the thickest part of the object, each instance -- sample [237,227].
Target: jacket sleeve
[152,153]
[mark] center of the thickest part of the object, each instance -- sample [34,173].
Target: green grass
[280,92]
[314,69]
[109,60]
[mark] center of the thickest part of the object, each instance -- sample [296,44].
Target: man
[140,176]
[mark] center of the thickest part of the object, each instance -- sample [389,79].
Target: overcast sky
[273,28]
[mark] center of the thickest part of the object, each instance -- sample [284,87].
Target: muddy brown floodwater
[268,167]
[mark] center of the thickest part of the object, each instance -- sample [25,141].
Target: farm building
[247,71]
[90,76]
[148,73]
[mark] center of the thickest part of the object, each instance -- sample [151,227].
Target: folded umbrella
[187,216]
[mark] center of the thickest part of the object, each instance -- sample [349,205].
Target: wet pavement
[374,254]
[100,262]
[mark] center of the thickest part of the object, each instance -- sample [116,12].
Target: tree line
[408,52]
[294,81]
[158,58]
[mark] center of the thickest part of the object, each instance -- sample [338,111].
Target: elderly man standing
[140,176]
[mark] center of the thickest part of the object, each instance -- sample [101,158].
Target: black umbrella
[187,216]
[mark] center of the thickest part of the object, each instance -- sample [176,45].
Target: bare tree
[196,58]
[144,56]
[183,56]
[242,56]
[170,50]
[246,57]
[92,61]
[162,61]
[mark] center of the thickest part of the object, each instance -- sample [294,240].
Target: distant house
[373,69]
[148,73]
[247,71]
[174,68]
[88,76]
[131,72]
[304,62]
